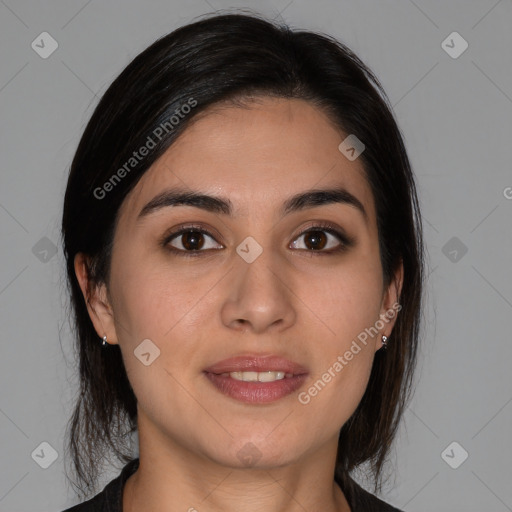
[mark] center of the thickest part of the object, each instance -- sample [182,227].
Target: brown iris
[192,240]
[317,239]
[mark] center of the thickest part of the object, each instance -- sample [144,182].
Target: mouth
[256,379]
[250,376]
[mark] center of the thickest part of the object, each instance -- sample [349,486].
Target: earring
[384,342]
[104,340]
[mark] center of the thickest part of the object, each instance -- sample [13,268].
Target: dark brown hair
[226,58]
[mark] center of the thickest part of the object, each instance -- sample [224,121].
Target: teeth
[258,376]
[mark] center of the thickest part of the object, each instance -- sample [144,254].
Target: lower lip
[256,392]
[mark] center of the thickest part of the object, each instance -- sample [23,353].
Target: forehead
[258,155]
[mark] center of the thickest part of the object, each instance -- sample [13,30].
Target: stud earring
[104,340]
[385,342]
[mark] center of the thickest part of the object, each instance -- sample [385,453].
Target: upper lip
[256,364]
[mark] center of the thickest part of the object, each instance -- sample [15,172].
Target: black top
[111,498]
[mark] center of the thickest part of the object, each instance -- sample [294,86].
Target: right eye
[189,240]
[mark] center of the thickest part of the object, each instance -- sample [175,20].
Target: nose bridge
[257,263]
[257,267]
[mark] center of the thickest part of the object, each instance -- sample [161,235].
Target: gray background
[455,114]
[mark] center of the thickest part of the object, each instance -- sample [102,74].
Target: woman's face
[256,285]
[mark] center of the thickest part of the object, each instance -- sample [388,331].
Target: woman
[245,260]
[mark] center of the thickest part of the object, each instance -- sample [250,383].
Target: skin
[303,306]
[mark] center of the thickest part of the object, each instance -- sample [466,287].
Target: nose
[260,296]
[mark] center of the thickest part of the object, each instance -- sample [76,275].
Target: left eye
[316,239]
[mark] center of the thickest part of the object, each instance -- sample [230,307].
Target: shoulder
[93,505]
[111,498]
[360,500]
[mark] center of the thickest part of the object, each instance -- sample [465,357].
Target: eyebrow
[221,205]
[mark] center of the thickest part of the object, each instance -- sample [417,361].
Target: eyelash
[345,241]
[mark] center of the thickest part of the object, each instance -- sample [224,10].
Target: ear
[390,306]
[96,298]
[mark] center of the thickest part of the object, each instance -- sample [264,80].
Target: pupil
[316,237]
[191,239]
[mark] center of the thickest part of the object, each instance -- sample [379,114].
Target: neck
[179,479]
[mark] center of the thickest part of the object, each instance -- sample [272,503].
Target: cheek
[152,300]
[346,303]
[349,305]
[156,304]
[347,300]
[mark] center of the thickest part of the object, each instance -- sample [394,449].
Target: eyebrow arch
[307,199]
